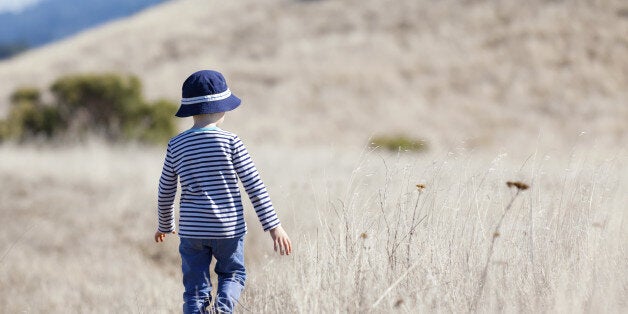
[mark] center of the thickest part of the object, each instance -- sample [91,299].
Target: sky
[15,5]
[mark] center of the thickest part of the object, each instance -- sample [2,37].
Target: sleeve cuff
[162,230]
[273,226]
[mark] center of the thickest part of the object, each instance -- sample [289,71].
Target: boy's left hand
[160,236]
[281,240]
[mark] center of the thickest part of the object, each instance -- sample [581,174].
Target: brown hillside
[471,73]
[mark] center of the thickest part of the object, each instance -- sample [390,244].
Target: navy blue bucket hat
[204,92]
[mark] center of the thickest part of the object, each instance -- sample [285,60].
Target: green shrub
[26,94]
[98,103]
[153,123]
[29,120]
[108,105]
[28,117]
[399,143]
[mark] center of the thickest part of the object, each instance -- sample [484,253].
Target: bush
[399,143]
[108,105]
[28,117]
[26,94]
[100,103]
[153,123]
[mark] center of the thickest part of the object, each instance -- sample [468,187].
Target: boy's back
[208,162]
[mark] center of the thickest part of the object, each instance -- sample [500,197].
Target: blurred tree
[108,105]
[152,123]
[28,117]
[101,103]
[29,94]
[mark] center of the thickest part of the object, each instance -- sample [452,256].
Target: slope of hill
[47,21]
[460,74]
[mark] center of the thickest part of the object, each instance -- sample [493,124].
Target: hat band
[200,99]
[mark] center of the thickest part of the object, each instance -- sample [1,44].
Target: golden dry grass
[78,222]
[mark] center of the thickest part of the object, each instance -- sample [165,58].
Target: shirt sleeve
[253,185]
[166,194]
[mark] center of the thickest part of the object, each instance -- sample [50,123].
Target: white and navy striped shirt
[208,163]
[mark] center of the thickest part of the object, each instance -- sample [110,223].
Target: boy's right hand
[160,236]
[281,240]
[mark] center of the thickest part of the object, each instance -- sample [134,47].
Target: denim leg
[229,254]
[195,259]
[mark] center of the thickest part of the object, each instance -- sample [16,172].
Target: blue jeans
[196,254]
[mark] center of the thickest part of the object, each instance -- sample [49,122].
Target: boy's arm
[259,197]
[165,197]
[253,185]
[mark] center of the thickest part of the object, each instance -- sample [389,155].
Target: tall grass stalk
[496,234]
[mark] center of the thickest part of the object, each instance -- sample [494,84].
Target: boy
[208,163]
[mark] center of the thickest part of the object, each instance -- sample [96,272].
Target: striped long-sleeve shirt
[208,163]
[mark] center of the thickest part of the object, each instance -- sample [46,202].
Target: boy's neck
[207,120]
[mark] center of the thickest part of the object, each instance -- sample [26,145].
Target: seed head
[517,184]
[363,235]
[398,303]
[496,234]
[420,187]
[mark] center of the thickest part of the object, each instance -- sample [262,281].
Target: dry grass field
[531,91]
[78,224]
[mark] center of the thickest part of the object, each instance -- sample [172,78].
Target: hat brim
[222,105]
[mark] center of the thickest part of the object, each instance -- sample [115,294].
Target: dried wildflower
[363,235]
[517,184]
[478,293]
[398,303]
[420,187]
